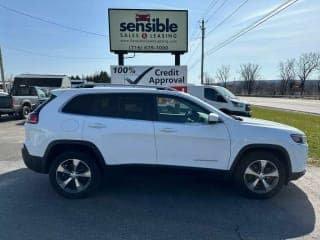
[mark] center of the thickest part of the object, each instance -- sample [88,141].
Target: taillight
[33,118]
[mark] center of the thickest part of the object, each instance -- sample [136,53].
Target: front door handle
[97,125]
[167,130]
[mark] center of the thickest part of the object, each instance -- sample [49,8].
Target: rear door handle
[167,130]
[97,125]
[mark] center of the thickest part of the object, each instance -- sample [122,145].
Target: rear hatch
[5,101]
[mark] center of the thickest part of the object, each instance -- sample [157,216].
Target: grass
[309,124]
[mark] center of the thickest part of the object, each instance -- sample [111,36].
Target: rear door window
[129,106]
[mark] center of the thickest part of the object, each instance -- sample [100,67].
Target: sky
[287,35]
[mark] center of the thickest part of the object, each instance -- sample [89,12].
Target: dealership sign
[162,76]
[144,30]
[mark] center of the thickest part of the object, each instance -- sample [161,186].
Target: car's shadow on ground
[6,118]
[149,204]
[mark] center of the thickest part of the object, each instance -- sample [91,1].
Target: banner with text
[162,76]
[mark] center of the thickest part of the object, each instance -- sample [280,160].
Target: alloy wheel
[73,175]
[261,176]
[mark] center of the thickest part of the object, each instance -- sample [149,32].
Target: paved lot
[140,204]
[300,105]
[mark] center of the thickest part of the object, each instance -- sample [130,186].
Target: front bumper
[239,113]
[34,163]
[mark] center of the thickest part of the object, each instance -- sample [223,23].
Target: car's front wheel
[260,174]
[74,174]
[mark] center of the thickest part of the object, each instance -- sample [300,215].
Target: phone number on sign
[149,47]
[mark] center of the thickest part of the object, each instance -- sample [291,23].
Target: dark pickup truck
[6,104]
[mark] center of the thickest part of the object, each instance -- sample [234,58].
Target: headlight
[298,138]
[237,104]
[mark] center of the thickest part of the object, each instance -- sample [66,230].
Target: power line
[54,56]
[228,17]
[193,52]
[194,34]
[269,15]
[211,5]
[221,5]
[51,22]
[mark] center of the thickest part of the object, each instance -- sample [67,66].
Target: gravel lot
[299,105]
[148,204]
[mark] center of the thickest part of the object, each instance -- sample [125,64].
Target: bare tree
[307,64]
[223,74]
[249,72]
[208,80]
[287,74]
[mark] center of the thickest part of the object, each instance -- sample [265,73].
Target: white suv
[78,132]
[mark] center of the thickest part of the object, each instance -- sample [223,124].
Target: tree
[249,73]
[208,80]
[223,74]
[75,77]
[287,74]
[307,64]
[102,77]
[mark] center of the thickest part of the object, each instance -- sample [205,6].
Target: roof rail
[129,86]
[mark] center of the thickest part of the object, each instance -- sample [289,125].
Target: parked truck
[221,98]
[30,90]
[6,104]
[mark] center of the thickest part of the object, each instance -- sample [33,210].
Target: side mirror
[213,118]
[220,99]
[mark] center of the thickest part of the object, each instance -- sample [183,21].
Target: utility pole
[2,72]
[202,48]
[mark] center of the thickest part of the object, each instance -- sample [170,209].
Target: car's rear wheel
[75,174]
[260,174]
[25,112]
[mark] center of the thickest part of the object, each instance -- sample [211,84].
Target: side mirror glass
[213,118]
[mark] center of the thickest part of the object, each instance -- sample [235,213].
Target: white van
[221,98]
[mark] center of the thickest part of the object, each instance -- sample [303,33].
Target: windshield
[225,92]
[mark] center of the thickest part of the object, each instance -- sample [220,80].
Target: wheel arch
[26,103]
[278,150]
[59,146]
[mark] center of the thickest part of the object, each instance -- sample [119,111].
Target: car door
[185,138]
[120,126]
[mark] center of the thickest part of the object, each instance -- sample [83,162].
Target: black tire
[65,161]
[24,112]
[243,178]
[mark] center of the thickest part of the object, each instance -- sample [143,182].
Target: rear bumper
[296,175]
[34,163]
[7,110]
